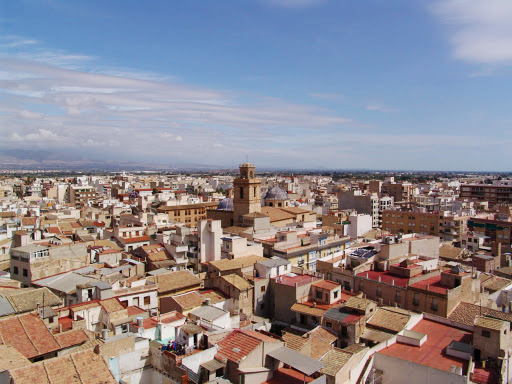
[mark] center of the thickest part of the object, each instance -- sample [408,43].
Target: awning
[297,361]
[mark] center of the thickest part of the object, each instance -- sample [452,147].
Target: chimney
[314,304]
[380,278]
[428,286]
[104,334]
[140,321]
[393,282]
[206,302]
[60,328]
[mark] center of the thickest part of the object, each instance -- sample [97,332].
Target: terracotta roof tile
[28,334]
[308,309]
[489,323]
[326,284]
[92,368]
[237,345]
[334,360]
[70,338]
[11,358]
[84,367]
[493,283]
[240,262]
[189,300]
[175,281]
[465,313]
[61,370]
[138,239]
[295,339]
[388,320]
[111,305]
[30,374]
[450,252]
[237,281]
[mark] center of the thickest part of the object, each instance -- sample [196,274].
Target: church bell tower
[247,195]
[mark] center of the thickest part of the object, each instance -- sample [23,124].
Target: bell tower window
[241,192]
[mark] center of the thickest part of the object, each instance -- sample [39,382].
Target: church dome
[276,193]
[225,205]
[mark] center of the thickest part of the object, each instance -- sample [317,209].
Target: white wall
[193,362]
[359,225]
[398,371]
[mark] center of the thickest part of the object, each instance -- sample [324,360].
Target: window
[15,270]
[262,288]
[379,291]
[51,319]
[25,272]
[361,286]
[398,296]
[136,301]
[328,324]
[336,294]
[147,300]
[319,295]
[241,192]
[416,300]
[434,304]
[486,333]
[344,330]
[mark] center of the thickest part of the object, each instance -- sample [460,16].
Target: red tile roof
[434,285]
[288,376]
[326,284]
[139,239]
[28,334]
[298,279]
[54,230]
[166,318]
[431,353]
[239,344]
[28,220]
[74,337]
[132,311]
[385,277]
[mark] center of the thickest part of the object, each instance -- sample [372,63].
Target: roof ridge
[46,371]
[76,368]
[24,330]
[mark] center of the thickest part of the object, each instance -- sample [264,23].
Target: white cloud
[24,114]
[481,31]
[328,96]
[380,108]
[14,41]
[129,116]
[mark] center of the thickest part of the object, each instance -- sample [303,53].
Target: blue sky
[379,84]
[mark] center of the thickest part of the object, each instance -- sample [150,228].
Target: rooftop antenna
[246,158]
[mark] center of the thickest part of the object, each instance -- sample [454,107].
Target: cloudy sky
[379,84]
